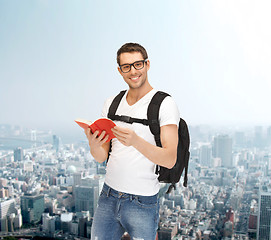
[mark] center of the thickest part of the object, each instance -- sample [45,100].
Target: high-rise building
[268,135]
[48,223]
[18,154]
[56,142]
[7,207]
[82,226]
[222,149]
[66,221]
[258,136]
[83,220]
[264,218]
[34,138]
[4,192]
[252,225]
[86,198]
[10,216]
[229,215]
[27,165]
[3,182]
[239,139]
[32,206]
[205,155]
[77,176]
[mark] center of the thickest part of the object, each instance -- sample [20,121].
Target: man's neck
[135,95]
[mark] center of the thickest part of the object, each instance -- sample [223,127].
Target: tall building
[34,138]
[264,218]
[18,154]
[32,206]
[10,216]
[252,225]
[56,142]
[66,222]
[268,135]
[48,223]
[222,148]
[27,165]
[86,198]
[205,155]
[229,215]
[82,227]
[3,182]
[239,139]
[84,218]
[7,207]
[77,176]
[258,136]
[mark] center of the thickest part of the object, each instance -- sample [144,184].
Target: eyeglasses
[125,68]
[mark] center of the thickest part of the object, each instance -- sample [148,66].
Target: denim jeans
[118,212]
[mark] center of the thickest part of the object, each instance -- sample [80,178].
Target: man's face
[134,78]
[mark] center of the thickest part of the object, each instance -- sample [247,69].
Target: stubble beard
[132,86]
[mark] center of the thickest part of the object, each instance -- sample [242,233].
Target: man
[129,199]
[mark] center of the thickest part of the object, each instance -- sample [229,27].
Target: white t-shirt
[127,169]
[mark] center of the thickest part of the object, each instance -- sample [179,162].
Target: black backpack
[166,175]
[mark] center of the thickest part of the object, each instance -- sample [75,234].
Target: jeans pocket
[103,193]
[147,201]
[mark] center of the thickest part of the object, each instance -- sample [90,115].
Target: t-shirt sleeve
[169,113]
[106,106]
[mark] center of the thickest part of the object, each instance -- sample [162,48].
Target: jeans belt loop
[108,191]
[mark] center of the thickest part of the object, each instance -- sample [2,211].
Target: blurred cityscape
[50,189]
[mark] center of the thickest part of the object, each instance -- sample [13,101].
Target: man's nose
[133,70]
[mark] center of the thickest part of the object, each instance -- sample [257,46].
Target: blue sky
[58,58]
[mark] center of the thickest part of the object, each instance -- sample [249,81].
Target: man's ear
[148,64]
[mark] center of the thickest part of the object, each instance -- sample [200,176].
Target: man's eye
[138,64]
[125,67]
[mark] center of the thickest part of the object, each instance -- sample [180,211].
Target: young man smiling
[129,199]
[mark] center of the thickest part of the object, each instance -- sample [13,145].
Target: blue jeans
[118,212]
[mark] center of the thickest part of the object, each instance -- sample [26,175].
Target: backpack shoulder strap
[115,103]
[111,113]
[153,115]
[185,143]
[113,108]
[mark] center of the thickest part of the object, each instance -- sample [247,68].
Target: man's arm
[165,156]
[99,148]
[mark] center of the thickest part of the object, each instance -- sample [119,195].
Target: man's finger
[102,135]
[118,134]
[120,129]
[87,132]
[95,134]
[105,139]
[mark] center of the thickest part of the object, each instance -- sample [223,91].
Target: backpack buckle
[126,119]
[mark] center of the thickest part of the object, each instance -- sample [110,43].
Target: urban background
[48,188]
[58,63]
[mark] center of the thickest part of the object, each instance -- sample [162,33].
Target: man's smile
[135,78]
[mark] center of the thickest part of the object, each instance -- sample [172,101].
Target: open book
[101,124]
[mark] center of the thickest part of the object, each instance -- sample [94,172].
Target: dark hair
[132,47]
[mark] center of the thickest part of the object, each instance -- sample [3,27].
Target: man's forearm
[165,157]
[99,147]
[99,154]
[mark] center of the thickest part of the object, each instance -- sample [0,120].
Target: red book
[102,124]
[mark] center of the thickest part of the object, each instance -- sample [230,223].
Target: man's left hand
[125,135]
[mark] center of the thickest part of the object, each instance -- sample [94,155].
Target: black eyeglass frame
[132,64]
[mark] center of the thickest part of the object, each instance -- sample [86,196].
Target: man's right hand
[94,140]
[99,148]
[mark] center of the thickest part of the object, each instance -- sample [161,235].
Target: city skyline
[58,57]
[227,195]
